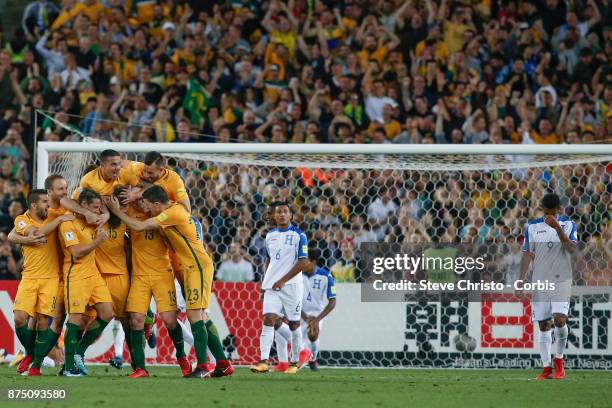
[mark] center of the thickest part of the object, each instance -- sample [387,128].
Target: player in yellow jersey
[111,260]
[184,234]
[36,294]
[152,276]
[83,284]
[57,188]
[154,171]
[103,181]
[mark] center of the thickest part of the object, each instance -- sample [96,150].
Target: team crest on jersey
[69,236]
[162,217]
[21,224]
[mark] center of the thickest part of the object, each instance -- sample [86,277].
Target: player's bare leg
[265,343]
[170,320]
[313,346]
[26,336]
[561,333]
[544,344]
[56,327]
[137,342]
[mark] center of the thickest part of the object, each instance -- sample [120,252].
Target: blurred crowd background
[311,71]
[338,209]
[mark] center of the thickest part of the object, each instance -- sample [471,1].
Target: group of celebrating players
[126,236]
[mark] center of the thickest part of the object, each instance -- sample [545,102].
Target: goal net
[346,197]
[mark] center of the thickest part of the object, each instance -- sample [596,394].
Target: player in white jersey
[550,243]
[319,300]
[282,285]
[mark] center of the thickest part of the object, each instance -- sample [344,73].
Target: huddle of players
[89,276]
[295,287]
[76,265]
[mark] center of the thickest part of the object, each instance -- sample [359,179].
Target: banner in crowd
[495,332]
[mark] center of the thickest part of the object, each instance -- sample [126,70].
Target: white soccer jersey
[284,248]
[318,289]
[551,261]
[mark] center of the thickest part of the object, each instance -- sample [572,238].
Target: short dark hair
[108,153]
[551,201]
[114,221]
[279,203]
[35,195]
[118,190]
[313,254]
[156,194]
[88,196]
[154,158]
[51,179]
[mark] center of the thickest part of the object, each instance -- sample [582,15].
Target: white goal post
[44,148]
[347,195]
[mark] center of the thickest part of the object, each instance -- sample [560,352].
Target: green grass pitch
[107,387]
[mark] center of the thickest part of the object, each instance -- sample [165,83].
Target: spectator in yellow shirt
[344,270]
[545,133]
[92,9]
[376,45]
[285,30]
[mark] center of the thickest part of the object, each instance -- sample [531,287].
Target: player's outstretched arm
[185,203]
[331,304]
[47,228]
[32,239]
[29,235]
[135,225]
[90,217]
[131,194]
[295,269]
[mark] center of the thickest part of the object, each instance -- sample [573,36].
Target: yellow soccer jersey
[72,233]
[110,254]
[38,261]
[53,213]
[149,252]
[94,181]
[171,182]
[185,235]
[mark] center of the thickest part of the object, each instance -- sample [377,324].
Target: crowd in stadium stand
[312,71]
